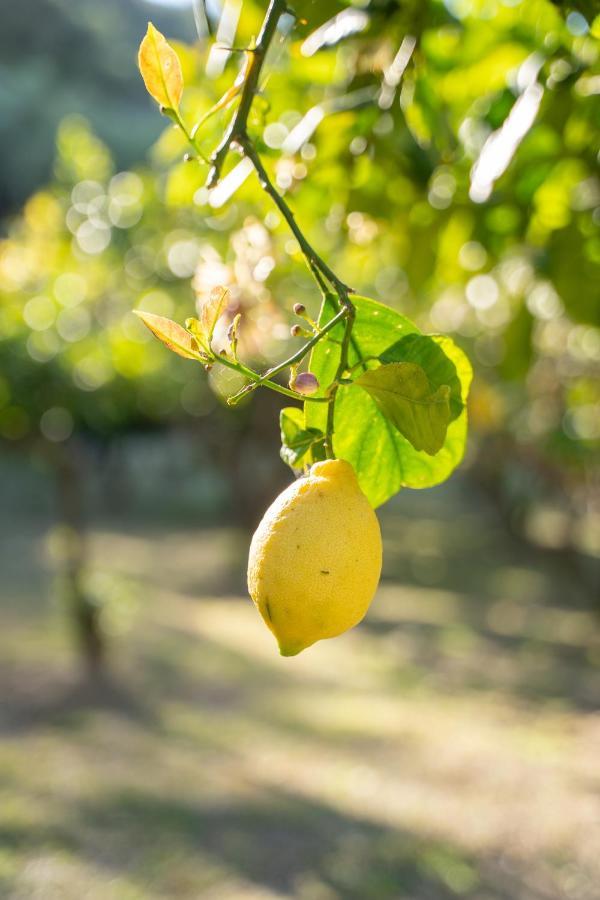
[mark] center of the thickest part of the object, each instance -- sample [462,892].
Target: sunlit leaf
[376,327]
[403,394]
[426,352]
[194,326]
[233,334]
[171,334]
[383,459]
[160,68]
[203,328]
[212,310]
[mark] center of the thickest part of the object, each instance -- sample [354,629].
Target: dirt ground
[447,747]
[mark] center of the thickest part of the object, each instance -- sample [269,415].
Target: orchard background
[443,158]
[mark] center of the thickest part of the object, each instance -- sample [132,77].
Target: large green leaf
[376,328]
[424,350]
[402,392]
[383,459]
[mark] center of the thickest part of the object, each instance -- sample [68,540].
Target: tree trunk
[83,610]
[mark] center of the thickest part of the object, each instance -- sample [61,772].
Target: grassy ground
[448,747]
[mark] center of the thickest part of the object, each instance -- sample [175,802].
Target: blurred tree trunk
[83,610]
[243,445]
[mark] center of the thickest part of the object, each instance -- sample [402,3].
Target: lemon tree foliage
[171,334]
[379,133]
[384,459]
[87,249]
[211,311]
[437,156]
[407,404]
[299,445]
[403,394]
[426,351]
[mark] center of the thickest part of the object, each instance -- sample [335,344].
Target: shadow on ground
[446,748]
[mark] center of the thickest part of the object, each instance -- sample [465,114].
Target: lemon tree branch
[263,381]
[237,133]
[332,392]
[237,127]
[292,360]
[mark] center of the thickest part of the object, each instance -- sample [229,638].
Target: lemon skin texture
[315,558]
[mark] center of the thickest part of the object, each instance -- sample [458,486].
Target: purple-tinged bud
[299,309]
[296,331]
[305,383]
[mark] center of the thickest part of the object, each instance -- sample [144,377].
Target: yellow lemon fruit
[315,558]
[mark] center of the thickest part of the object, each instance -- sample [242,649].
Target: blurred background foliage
[442,156]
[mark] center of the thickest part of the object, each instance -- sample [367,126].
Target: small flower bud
[306,383]
[296,331]
[299,309]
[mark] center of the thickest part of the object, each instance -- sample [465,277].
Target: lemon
[315,558]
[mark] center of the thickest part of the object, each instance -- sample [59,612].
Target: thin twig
[175,116]
[332,394]
[311,255]
[237,127]
[265,381]
[295,358]
[237,133]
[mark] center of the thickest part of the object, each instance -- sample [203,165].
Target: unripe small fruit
[305,383]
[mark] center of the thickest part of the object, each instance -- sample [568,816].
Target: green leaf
[172,335]
[402,392]
[383,459]
[299,445]
[426,352]
[375,327]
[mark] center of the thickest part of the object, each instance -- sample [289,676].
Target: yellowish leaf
[171,334]
[211,311]
[160,68]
